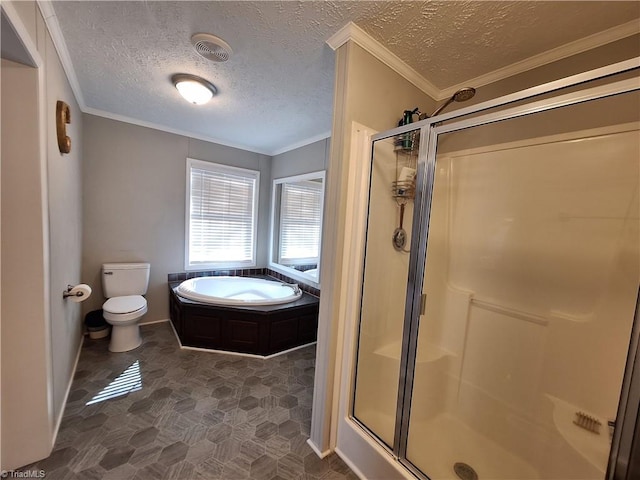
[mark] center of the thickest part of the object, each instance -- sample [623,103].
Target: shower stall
[500,341]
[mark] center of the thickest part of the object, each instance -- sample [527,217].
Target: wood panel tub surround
[258,330]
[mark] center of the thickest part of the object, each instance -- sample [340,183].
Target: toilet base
[125,338]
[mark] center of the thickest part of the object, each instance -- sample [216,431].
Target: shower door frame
[623,450]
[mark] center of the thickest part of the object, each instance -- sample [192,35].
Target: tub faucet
[294,286]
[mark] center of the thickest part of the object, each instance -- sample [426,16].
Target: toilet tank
[120,279]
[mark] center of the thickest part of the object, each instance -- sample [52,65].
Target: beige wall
[41,246]
[134,201]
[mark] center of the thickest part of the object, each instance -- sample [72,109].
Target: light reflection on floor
[128,381]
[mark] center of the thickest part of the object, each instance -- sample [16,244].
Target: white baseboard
[273,355]
[175,333]
[56,427]
[151,322]
[317,450]
[349,463]
[239,354]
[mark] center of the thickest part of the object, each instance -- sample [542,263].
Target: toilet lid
[127,304]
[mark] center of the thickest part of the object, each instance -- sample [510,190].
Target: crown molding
[353,32]
[349,32]
[302,143]
[205,138]
[51,20]
[175,131]
[564,51]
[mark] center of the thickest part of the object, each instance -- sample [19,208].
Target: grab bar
[511,312]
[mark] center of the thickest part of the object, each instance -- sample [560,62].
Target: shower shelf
[594,448]
[403,189]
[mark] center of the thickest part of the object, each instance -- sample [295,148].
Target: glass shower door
[384,287]
[531,279]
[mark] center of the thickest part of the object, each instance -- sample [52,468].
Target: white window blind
[300,222]
[222,215]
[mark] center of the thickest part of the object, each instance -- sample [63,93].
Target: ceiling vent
[211,47]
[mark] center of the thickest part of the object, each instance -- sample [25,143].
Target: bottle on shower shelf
[405,141]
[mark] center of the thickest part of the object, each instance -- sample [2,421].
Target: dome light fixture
[194,89]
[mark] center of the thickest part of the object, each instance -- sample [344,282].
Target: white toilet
[123,285]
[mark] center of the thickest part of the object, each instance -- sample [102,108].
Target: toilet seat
[122,309]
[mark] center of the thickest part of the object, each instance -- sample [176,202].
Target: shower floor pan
[444,441]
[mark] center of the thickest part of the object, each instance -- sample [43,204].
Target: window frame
[220,168]
[298,260]
[290,271]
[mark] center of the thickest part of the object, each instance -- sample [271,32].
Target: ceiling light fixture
[194,89]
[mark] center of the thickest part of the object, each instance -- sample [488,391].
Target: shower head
[461,95]
[464,94]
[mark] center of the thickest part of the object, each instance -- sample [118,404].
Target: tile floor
[159,412]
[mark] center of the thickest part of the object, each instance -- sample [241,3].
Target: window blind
[222,215]
[300,222]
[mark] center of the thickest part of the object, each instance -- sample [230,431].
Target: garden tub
[243,327]
[242,291]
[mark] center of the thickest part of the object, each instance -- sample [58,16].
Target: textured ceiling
[277,88]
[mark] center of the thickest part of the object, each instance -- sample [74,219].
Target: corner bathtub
[249,321]
[239,291]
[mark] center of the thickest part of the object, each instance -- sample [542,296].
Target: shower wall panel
[560,229]
[532,273]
